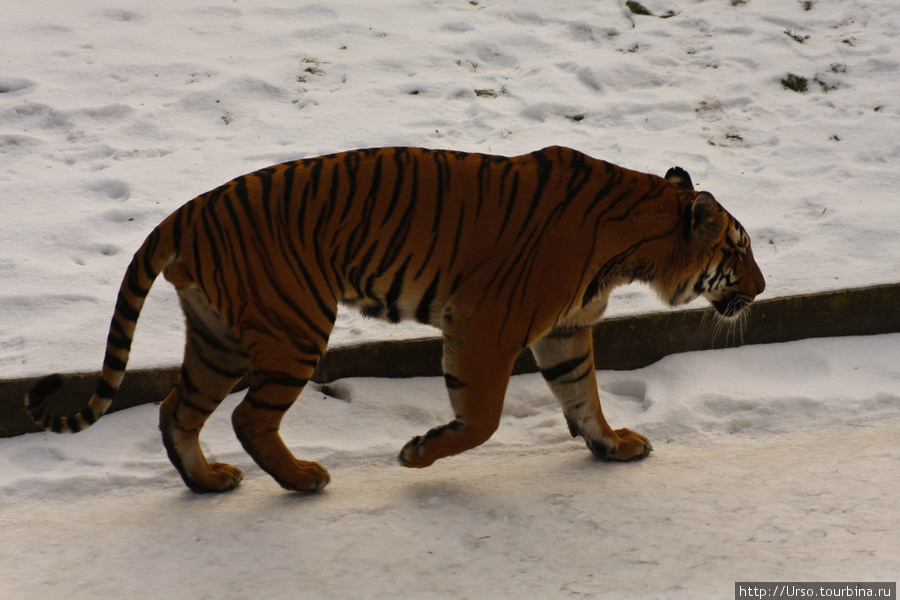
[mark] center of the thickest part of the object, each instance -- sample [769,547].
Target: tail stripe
[114,362]
[117,338]
[125,309]
[105,390]
[149,250]
[62,423]
[88,415]
[134,286]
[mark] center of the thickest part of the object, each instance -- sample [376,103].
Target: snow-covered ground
[771,463]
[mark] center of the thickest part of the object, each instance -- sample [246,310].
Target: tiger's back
[500,253]
[394,231]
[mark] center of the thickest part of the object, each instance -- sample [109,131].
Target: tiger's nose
[758,280]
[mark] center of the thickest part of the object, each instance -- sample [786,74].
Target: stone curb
[619,344]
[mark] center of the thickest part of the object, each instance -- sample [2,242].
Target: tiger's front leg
[565,357]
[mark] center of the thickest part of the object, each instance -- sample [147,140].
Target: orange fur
[500,253]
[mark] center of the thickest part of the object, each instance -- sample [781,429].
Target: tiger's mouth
[732,305]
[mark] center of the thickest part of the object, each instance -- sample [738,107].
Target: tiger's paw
[221,477]
[308,477]
[629,446]
[412,454]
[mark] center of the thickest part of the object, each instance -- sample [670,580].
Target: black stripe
[217,369]
[255,403]
[150,247]
[300,271]
[187,382]
[125,309]
[37,413]
[369,288]
[287,190]
[210,229]
[43,388]
[591,291]
[333,188]
[315,173]
[510,203]
[565,367]
[114,362]
[207,337]
[355,275]
[423,311]
[372,311]
[545,167]
[73,424]
[614,176]
[58,424]
[134,286]
[393,293]
[401,156]
[398,243]
[196,407]
[221,245]
[351,164]
[264,176]
[578,378]
[453,382]
[560,333]
[176,223]
[443,185]
[87,414]
[324,307]
[581,175]
[301,213]
[515,264]
[375,186]
[615,262]
[457,238]
[276,378]
[354,242]
[529,255]
[454,285]
[484,179]
[239,192]
[200,265]
[105,390]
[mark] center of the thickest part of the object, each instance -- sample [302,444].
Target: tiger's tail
[157,252]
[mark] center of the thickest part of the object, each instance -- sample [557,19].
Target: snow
[771,462]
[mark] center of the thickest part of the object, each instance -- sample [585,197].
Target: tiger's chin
[731,306]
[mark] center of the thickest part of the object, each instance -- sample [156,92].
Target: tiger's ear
[705,218]
[680,177]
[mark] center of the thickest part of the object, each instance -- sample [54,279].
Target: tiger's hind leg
[565,357]
[214,362]
[280,369]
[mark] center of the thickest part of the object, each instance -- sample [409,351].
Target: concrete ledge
[619,344]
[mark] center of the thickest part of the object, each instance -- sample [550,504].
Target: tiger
[499,253]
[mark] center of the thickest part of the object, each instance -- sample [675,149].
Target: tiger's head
[717,260]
